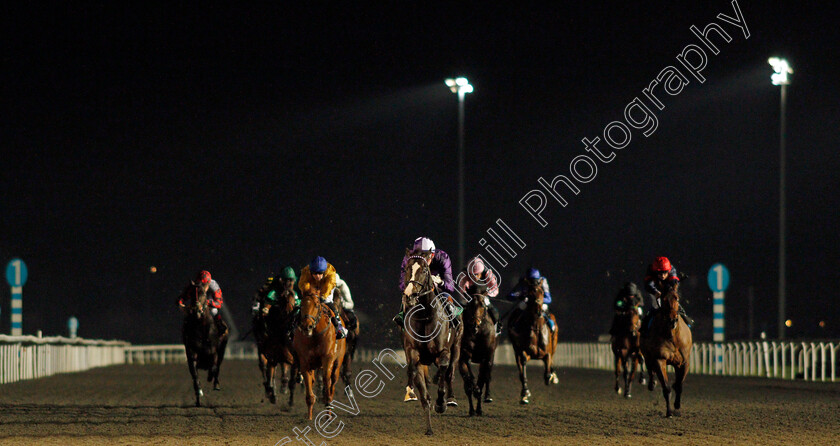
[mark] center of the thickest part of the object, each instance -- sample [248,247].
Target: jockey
[629,297]
[485,276]
[532,278]
[661,275]
[319,276]
[343,292]
[214,298]
[273,288]
[440,267]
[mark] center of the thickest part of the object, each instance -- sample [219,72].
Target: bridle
[427,287]
[420,285]
[317,318]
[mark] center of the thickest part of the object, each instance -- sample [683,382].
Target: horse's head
[536,296]
[670,301]
[196,300]
[310,312]
[287,296]
[418,279]
[476,310]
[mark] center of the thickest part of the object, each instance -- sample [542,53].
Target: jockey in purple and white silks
[439,265]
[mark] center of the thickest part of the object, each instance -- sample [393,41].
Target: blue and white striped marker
[718,283]
[16,275]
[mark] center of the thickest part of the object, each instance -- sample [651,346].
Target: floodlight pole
[780,77]
[461,87]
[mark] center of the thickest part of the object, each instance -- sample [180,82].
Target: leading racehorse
[530,337]
[274,345]
[428,335]
[317,348]
[625,344]
[478,345]
[668,342]
[203,344]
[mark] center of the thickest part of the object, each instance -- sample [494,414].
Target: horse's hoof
[553,379]
[676,413]
[627,396]
[429,432]
[488,399]
[451,402]
[272,399]
[524,400]
[478,412]
[217,387]
[472,412]
[440,408]
[198,404]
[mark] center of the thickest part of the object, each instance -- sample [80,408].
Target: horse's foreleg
[617,372]
[284,376]
[469,382]
[549,375]
[334,380]
[521,362]
[309,383]
[293,371]
[483,380]
[191,361]
[662,374]
[632,361]
[488,377]
[680,374]
[444,372]
[420,378]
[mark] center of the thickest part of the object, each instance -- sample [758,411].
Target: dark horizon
[244,139]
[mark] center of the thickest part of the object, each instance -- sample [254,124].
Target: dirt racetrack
[152,405]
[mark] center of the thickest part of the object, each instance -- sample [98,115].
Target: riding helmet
[662,264]
[318,265]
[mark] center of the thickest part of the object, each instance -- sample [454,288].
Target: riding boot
[340,331]
[399,318]
[688,321]
[494,316]
[352,320]
[646,321]
[550,322]
[221,326]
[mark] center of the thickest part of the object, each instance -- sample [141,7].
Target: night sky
[240,139]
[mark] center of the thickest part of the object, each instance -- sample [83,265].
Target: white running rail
[811,361]
[30,357]
[174,353]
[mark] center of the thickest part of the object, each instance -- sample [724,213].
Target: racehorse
[668,342]
[274,346]
[429,336]
[203,344]
[530,337]
[350,341]
[478,345]
[625,345]
[316,348]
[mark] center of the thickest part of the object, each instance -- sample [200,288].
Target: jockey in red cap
[214,297]
[660,275]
